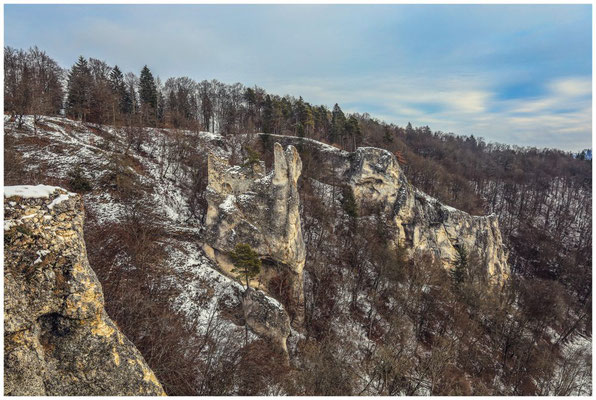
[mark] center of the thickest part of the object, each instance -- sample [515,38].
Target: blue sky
[514,74]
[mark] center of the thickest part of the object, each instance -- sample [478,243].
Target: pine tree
[79,90]
[305,121]
[352,129]
[268,122]
[409,129]
[387,136]
[147,88]
[247,263]
[348,202]
[148,94]
[119,90]
[338,122]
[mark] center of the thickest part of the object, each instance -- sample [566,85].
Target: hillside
[378,317]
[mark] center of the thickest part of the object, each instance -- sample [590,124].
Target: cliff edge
[58,339]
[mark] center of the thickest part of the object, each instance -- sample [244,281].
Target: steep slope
[58,338]
[205,299]
[365,310]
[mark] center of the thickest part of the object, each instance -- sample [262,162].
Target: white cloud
[572,87]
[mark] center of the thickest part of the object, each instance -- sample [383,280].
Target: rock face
[266,318]
[246,205]
[58,338]
[421,223]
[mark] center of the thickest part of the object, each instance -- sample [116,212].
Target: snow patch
[59,200]
[229,204]
[30,192]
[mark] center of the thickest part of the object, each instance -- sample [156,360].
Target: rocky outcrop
[266,318]
[246,205]
[58,338]
[420,222]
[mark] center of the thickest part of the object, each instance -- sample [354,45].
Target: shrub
[253,157]
[78,182]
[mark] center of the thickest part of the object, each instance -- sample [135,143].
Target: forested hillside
[375,322]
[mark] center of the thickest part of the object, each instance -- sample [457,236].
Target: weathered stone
[58,338]
[421,223]
[266,318]
[245,205]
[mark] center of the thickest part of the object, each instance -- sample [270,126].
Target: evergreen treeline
[99,93]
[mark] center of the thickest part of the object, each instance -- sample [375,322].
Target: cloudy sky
[513,74]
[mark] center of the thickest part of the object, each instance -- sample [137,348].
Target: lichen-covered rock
[58,339]
[421,223]
[246,205]
[266,318]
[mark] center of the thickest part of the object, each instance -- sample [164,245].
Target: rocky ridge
[420,222]
[373,176]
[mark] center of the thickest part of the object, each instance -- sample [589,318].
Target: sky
[513,74]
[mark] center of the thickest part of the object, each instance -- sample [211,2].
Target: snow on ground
[59,200]
[204,290]
[573,375]
[323,146]
[62,144]
[29,191]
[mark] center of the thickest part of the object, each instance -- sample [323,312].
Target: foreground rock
[58,338]
[420,222]
[246,205]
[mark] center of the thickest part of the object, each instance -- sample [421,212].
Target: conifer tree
[304,116]
[119,90]
[268,115]
[148,95]
[247,263]
[79,90]
[338,121]
[460,268]
[352,129]
[147,88]
[409,129]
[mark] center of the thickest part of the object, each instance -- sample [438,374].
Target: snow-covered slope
[56,147]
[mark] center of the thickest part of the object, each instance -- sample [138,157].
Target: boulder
[267,318]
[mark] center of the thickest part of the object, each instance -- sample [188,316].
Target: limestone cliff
[246,205]
[58,339]
[421,223]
